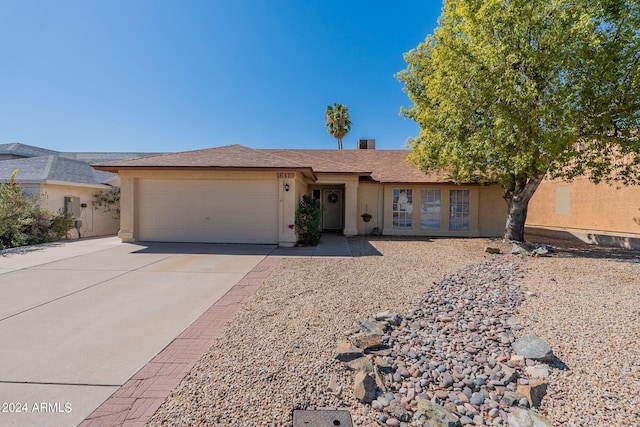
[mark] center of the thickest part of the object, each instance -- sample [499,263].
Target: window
[459,210]
[430,209]
[402,207]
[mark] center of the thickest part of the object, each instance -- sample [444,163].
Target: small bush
[308,220]
[23,222]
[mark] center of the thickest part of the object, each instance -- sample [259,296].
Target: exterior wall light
[286,187]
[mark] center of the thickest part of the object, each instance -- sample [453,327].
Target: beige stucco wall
[583,205]
[371,201]
[487,208]
[288,200]
[95,222]
[492,211]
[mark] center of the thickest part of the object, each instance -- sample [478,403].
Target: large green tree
[338,122]
[515,91]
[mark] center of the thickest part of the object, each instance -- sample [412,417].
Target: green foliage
[513,91]
[23,222]
[109,201]
[338,122]
[308,220]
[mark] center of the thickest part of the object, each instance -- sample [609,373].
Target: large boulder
[534,348]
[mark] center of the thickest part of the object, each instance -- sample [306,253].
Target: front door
[332,205]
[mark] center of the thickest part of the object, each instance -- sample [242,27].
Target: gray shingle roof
[38,165]
[24,150]
[51,168]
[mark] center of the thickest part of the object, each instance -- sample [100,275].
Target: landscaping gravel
[278,354]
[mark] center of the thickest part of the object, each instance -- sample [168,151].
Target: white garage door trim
[208,211]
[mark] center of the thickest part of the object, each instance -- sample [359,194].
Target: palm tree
[338,122]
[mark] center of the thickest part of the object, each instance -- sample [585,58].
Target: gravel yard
[278,353]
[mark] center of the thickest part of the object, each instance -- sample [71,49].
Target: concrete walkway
[330,245]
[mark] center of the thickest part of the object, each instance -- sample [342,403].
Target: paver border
[135,402]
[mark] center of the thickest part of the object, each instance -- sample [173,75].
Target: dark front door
[332,205]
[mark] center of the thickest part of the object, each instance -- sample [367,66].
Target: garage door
[207,211]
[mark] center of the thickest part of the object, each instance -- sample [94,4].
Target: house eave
[57,182]
[115,169]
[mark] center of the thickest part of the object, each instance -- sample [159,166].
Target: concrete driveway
[78,319]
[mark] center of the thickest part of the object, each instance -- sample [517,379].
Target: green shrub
[308,220]
[23,222]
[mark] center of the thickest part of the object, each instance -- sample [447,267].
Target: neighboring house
[69,182]
[594,213]
[236,194]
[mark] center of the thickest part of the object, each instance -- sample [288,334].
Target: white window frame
[459,210]
[430,208]
[402,208]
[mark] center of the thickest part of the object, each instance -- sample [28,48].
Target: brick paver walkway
[138,399]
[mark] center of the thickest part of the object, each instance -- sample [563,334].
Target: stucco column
[351,208]
[127,210]
[288,206]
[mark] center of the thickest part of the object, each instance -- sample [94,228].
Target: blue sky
[158,75]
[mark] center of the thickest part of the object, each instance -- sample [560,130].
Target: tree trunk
[517,206]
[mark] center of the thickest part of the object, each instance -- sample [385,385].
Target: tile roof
[382,165]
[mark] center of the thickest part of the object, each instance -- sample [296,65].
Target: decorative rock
[518,250]
[510,374]
[491,250]
[333,386]
[541,251]
[466,420]
[398,412]
[439,416]
[392,422]
[403,371]
[519,417]
[364,388]
[346,352]
[532,347]
[366,340]
[511,398]
[537,371]
[379,379]
[446,380]
[383,401]
[373,327]
[517,359]
[359,364]
[389,316]
[534,392]
[477,399]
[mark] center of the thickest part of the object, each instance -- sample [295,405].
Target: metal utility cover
[321,418]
